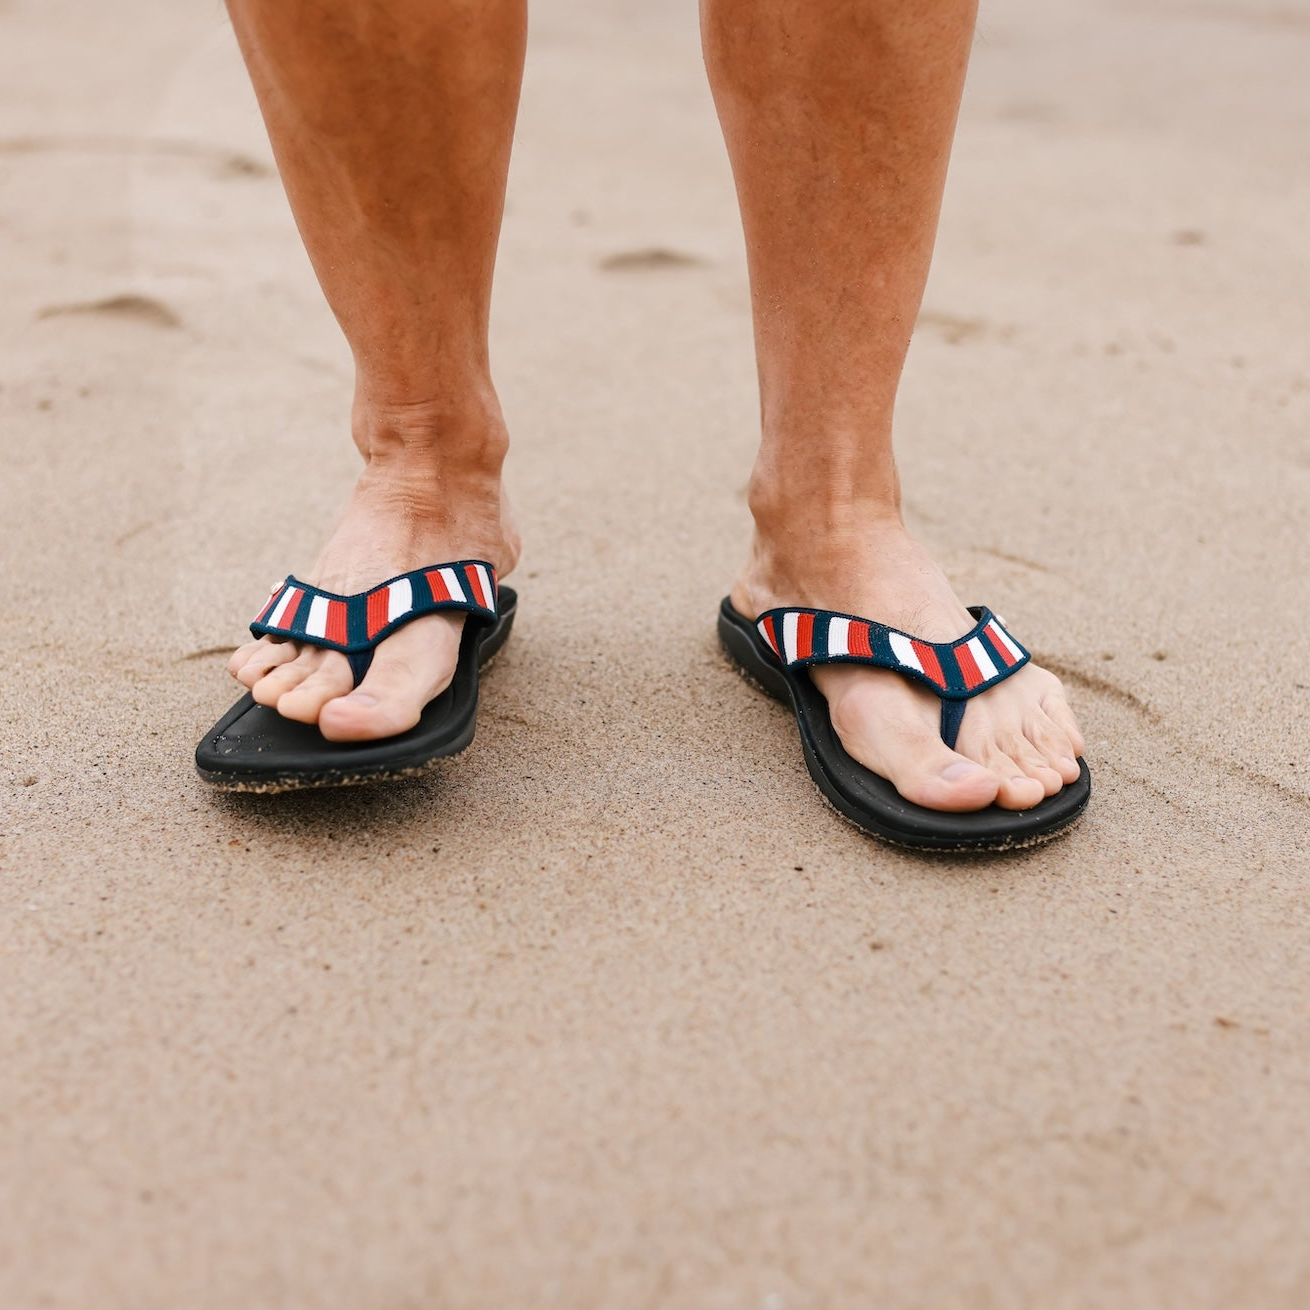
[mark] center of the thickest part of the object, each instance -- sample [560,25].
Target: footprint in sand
[650,260]
[139,309]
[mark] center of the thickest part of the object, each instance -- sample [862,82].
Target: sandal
[254,748]
[775,651]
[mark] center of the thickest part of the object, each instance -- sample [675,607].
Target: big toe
[409,669]
[893,730]
[942,780]
[916,761]
[366,715]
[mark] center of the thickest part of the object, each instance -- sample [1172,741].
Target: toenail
[362,698]
[1068,762]
[960,769]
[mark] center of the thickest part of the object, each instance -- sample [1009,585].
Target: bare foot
[1019,740]
[406,512]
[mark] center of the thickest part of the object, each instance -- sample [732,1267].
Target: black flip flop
[253,748]
[775,651]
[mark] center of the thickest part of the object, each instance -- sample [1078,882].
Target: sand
[612,1012]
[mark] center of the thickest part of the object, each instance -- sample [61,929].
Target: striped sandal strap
[955,670]
[356,624]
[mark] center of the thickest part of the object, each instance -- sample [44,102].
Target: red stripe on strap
[804,636]
[379,603]
[928,658]
[475,584]
[438,584]
[857,639]
[771,634]
[999,646]
[272,600]
[335,628]
[968,666]
[293,605]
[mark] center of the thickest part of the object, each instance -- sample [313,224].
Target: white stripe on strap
[487,590]
[451,579]
[982,659]
[316,624]
[903,651]
[1003,637]
[275,619]
[400,599]
[839,634]
[789,621]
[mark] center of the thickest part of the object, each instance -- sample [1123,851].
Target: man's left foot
[1019,741]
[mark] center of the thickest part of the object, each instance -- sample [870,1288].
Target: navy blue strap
[356,624]
[952,718]
[955,670]
[362,660]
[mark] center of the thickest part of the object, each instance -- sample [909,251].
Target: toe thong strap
[356,624]
[955,670]
[952,718]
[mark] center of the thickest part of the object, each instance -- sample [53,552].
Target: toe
[257,658]
[1055,746]
[241,655]
[1056,708]
[1033,762]
[387,702]
[1035,767]
[1016,788]
[305,701]
[941,779]
[409,669]
[1020,792]
[899,740]
[269,689]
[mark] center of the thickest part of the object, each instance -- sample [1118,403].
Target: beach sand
[613,1011]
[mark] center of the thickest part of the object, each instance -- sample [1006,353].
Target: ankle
[406,511]
[815,508]
[824,549]
[463,437]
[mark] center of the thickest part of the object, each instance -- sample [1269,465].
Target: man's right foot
[408,510]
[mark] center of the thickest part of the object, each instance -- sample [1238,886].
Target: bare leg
[391,123]
[838,120]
